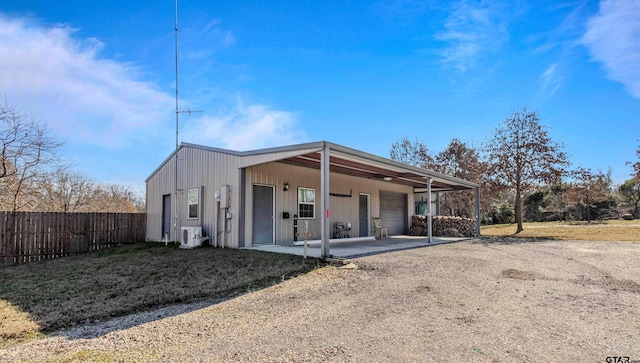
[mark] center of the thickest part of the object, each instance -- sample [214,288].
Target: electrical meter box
[225,197]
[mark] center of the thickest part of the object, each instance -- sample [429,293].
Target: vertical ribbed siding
[161,183]
[209,170]
[343,209]
[204,169]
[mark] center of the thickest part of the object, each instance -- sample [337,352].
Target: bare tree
[64,191]
[587,189]
[521,156]
[460,161]
[26,149]
[116,198]
[16,193]
[68,191]
[413,153]
[32,178]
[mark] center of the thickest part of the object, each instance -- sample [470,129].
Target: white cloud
[613,39]
[550,80]
[225,37]
[204,41]
[245,127]
[116,124]
[66,82]
[472,29]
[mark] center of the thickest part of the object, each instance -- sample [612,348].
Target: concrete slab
[344,250]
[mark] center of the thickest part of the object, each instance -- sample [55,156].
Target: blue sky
[363,74]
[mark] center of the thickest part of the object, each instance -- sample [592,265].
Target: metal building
[243,199]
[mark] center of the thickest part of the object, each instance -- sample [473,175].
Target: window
[306,203]
[193,198]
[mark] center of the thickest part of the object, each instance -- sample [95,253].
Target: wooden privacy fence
[36,236]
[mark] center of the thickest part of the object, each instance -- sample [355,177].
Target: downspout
[324,202]
[225,232]
[215,223]
[429,230]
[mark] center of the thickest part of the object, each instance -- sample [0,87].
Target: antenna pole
[176,189]
[175,222]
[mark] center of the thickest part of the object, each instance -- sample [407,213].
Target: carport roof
[348,161]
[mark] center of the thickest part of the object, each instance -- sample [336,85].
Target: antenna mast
[176,189]
[175,221]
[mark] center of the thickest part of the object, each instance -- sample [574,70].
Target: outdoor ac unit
[191,237]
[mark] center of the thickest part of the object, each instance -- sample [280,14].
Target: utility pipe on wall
[224,228]
[215,223]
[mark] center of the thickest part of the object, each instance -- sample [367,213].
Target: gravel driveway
[473,301]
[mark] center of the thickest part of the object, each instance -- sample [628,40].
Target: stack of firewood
[418,226]
[443,226]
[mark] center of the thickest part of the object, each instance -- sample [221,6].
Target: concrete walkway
[353,249]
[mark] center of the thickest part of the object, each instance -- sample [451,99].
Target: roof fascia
[396,164]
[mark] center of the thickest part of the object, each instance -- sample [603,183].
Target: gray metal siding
[209,169]
[343,209]
[393,212]
[197,168]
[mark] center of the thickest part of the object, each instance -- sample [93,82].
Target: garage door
[393,212]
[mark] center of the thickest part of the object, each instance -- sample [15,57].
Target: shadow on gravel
[90,330]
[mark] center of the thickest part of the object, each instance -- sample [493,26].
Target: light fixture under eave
[387,178]
[285,187]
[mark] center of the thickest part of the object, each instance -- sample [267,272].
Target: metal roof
[348,161]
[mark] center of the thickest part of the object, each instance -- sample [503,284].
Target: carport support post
[477,211]
[324,202]
[429,230]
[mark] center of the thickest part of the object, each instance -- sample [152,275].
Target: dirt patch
[473,301]
[519,275]
[610,283]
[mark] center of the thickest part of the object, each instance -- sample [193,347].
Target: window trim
[307,203]
[197,204]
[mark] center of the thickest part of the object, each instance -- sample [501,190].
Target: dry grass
[15,323]
[58,293]
[615,230]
